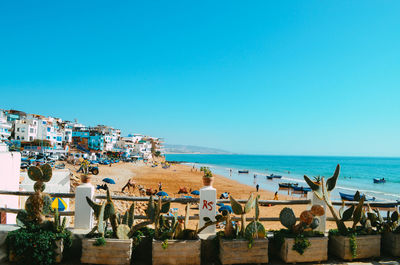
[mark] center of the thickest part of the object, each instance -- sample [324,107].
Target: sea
[357,173]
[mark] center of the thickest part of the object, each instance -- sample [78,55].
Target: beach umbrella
[108,180]
[225,207]
[58,203]
[162,193]
[195,192]
[220,204]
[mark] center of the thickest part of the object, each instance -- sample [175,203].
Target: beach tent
[58,203]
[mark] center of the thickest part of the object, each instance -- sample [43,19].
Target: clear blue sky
[282,77]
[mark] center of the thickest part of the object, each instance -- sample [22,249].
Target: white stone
[83,212]
[207,208]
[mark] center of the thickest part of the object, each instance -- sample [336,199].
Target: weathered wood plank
[316,252]
[368,246]
[115,251]
[177,252]
[391,244]
[237,251]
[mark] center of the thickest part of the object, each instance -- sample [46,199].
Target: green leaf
[357,212]
[100,224]
[165,207]
[357,196]
[257,209]
[331,182]
[310,183]
[47,172]
[395,216]
[236,207]
[249,204]
[131,214]
[151,209]
[347,214]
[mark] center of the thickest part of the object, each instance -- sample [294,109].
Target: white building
[26,129]
[5,127]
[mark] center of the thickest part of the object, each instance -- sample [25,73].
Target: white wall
[10,163]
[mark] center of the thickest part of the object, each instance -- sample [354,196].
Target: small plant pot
[316,252]
[391,243]
[237,251]
[59,250]
[178,252]
[86,178]
[208,181]
[368,246]
[115,251]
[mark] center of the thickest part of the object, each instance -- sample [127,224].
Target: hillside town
[33,133]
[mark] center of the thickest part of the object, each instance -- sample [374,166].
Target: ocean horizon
[357,172]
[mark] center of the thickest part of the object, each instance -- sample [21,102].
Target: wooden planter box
[368,246]
[237,251]
[115,251]
[391,244]
[177,252]
[59,252]
[316,252]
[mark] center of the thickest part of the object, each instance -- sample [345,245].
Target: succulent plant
[287,217]
[38,205]
[308,219]
[242,211]
[122,227]
[323,189]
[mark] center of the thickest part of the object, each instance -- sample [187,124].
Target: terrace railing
[308,201]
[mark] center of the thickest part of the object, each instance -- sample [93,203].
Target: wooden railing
[192,200]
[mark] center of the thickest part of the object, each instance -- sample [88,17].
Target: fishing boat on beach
[350,197]
[288,185]
[301,189]
[243,171]
[272,176]
[379,180]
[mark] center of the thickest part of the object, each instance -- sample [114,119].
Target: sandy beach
[172,179]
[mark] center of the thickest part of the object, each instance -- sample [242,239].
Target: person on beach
[160,186]
[257,187]
[128,185]
[276,196]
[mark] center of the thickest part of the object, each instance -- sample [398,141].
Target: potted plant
[300,242]
[389,229]
[38,241]
[174,242]
[353,242]
[247,244]
[104,246]
[208,178]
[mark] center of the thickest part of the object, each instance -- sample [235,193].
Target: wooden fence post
[316,201]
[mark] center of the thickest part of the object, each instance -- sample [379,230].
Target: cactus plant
[242,211]
[38,204]
[322,190]
[308,219]
[122,227]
